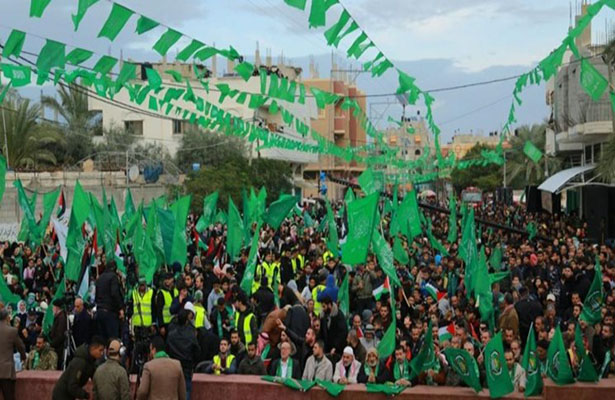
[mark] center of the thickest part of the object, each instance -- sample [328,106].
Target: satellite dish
[133,173]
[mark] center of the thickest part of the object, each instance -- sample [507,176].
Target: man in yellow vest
[142,308]
[200,316]
[245,320]
[164,299]
[322,278]
[267,268]
[298,261]
[224,361]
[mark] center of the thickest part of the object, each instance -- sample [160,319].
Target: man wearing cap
[110,379]
[162,377]
[9,340]
[109,302]
[369,339]
[164,299]
[57,333]
[347,369]
[143,302]
[200,317]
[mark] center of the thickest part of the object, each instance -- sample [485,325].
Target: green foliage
[115,139]
[606,166]
[225,167]
[484,177]
[27,140]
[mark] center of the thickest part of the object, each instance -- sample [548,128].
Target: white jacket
[340,371]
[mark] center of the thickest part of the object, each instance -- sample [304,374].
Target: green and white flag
[361,222]
[558,366]
[426,358]
[587,371]
[465,366]
[531,365]
[452,220]
[532,152]
[498,376]
[592,306]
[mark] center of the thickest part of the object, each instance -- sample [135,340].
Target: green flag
[387,389]
[435,243]
[279,209]
[426,357]
[180,211]
[531,365]
[234,235]
[334,389]
[129,207]
[386,347]
[154,232]
[28,210]
[168,39]
[495,260]
[592,305]
[333,239]
[209,208]
[408,216]
[344,296]
[349,196]
[49,317]
[82,9]
[6,296]
[248,276]
[532,152]
[118,17]
[498,377]
[295,384]
[558,366]
[482,289]
[465,366]
[361,221]
[592,80]
[385,257]
[399,252]
[37,7]
[452,220]
[469,253]
[587,371]
[145,255]
[300,4]
[368,183]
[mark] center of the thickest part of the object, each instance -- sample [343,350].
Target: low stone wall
[39,385]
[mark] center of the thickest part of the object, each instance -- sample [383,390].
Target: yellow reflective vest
[199,318]
[142,308]
[218,361]
[298,263]
[245,331]
[166,308]
[315,292]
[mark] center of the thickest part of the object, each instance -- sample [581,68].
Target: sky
[440,42]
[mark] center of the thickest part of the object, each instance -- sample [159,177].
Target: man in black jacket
[109,302]
[528,310]
[57,333]
[79,371]
[184,347]
[333,327]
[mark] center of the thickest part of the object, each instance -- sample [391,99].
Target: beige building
[168,130]
[464,142]
[340,127]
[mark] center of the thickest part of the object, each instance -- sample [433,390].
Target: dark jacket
[108,292]
[252,366]
[381,376]
[273,368]
[57,334]
[527,310]
[73,379]
[9,340]
[82,328]
[183,346]
[334,330]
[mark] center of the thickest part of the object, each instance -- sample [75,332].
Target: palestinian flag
[198,243]
[446,332]
[119,259]
[61,206]
[382,289]
[433,292]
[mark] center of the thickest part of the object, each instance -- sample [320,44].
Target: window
[134,127]
[177,127]
[597,152]
[588,155]
[97,122]
[417,152]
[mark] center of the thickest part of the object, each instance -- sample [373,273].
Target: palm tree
[27,141]
[522,170]
[606,165]
[79,120]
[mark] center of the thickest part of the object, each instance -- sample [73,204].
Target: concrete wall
[39,385]
[114,184]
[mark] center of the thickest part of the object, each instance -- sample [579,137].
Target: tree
[208,149]
[606,165]
[486,177]
[27,140]
[521,171]
[80,121]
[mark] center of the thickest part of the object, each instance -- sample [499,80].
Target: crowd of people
[195,318]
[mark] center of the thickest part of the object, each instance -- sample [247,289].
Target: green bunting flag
[532,152]
[300,4]
[587,371]
[452,220]
[279,209]
[531,365]
[361,220]
[318,12]
[14,44]
[51,55]
[82,9]
[498,376]
[234,235]
[116,21]
[592,80]
[465,366]
[78,56]
[558,366]
[37,7]
[189,50]
[333,32]
[592,305]
[145,24]
[168,39]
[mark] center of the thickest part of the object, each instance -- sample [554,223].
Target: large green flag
[152,230]
[145,255]
[426,358]
[28,209]
[482,289]
[558,366]
[469,253]
[452,220]
[465,366]
[414,220]
[333,239]
[592,305]
[495,260]
[2,176]
[368,182]
[166,221]
[75,243]
[344,296]
[234,234]
[435,243]
[361,221]
[400,254]
[385,257]
[587,371]
[386,347]
[279,209]
[531,365]
[6,296]
[333,389]
[407,219]
[48,318]
[129,207]
[498,376]
[248,276]
[532,152]
[180,211]
[209,208]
